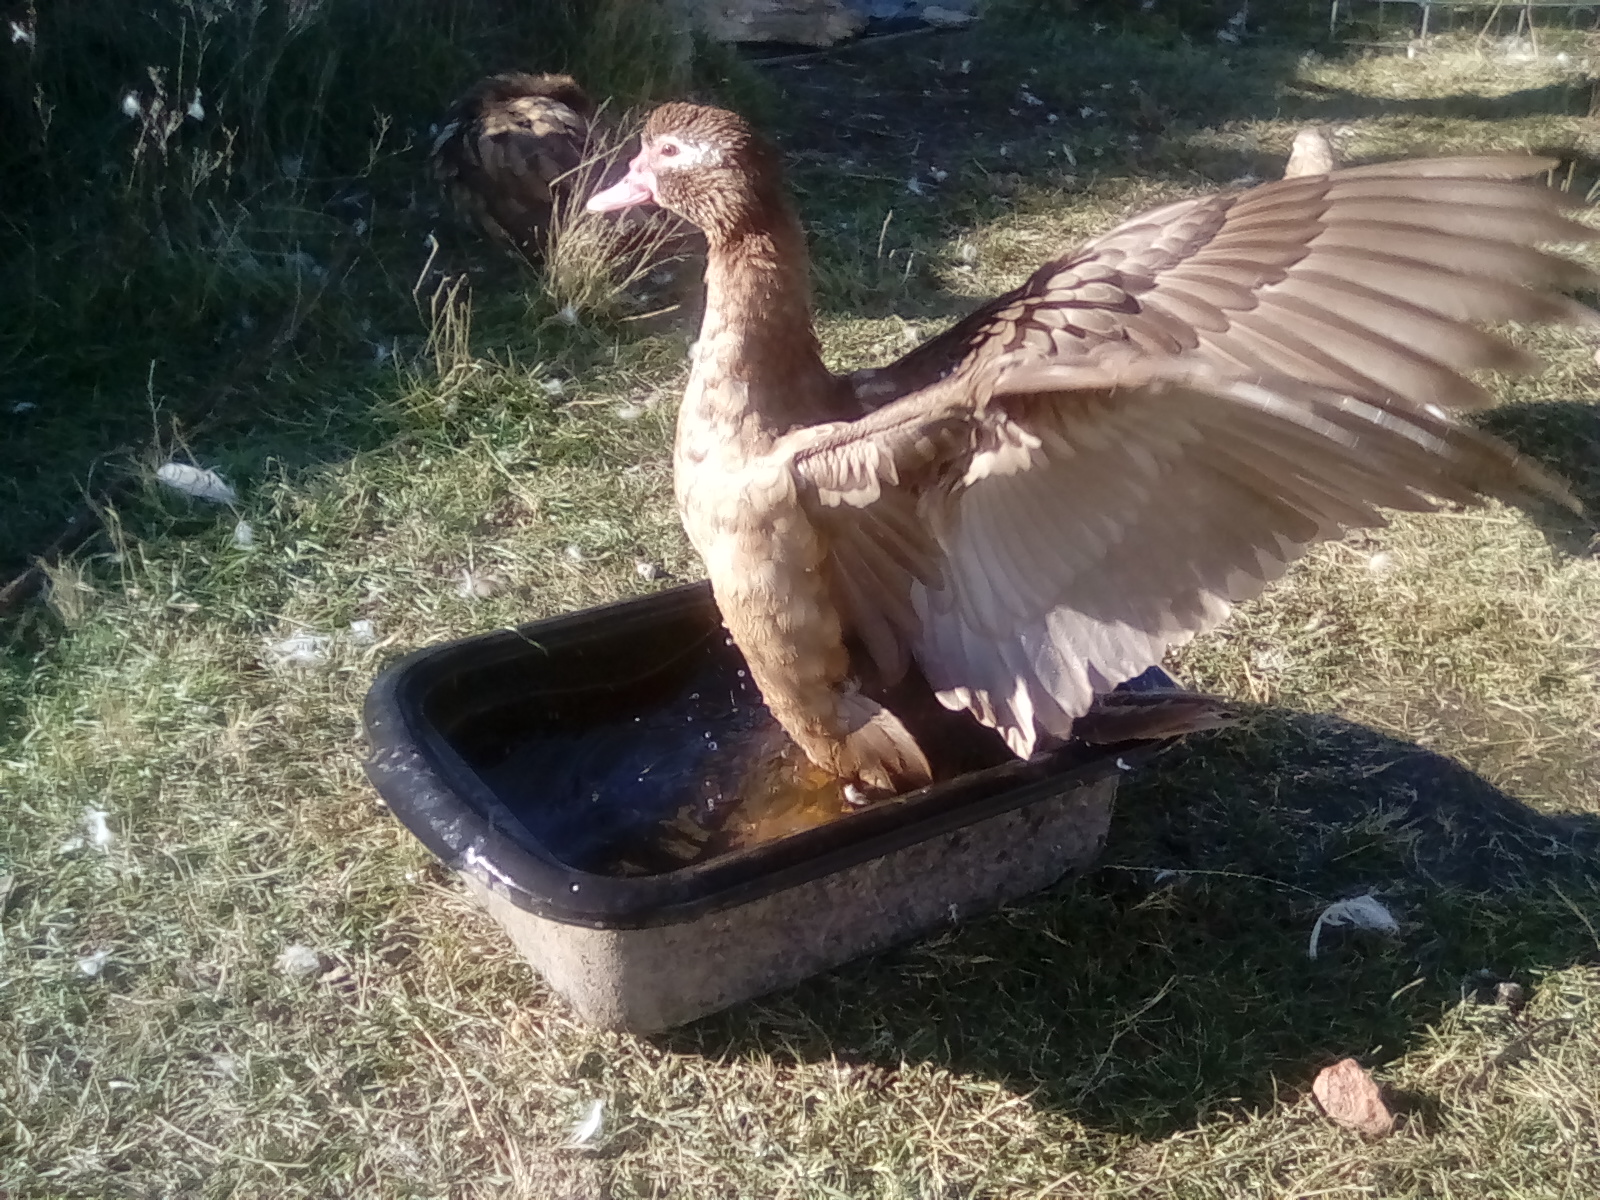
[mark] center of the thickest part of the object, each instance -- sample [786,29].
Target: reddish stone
[1347,1094]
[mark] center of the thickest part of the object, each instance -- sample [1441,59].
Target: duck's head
[705,164]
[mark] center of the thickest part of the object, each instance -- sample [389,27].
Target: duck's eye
[669,149]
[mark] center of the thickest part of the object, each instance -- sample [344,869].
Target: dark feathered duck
[1093,468]
[508,154]
[519,154]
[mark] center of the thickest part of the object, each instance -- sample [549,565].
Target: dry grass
[607,265]
[1148,1031]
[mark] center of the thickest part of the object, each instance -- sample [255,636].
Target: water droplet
[705,735]
[741,674]
[713,746]
[694,695]
[574,887]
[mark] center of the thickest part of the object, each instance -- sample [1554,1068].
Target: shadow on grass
[1173,981]
[891,149]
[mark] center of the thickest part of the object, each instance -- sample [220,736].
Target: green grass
[148,257]
[1429,709]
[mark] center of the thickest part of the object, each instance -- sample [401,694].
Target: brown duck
[519,151]
[1088,470]
[507,153]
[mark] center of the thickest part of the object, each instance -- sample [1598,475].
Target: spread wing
[1361,280]
[1037,539]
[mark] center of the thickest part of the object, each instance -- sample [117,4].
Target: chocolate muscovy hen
[1038,503]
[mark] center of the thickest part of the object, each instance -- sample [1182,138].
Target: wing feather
[1099,465]
[1087,521]
[1239,279]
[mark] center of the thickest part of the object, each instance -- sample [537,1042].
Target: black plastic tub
[504,753]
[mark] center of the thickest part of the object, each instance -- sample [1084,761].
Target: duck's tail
[1141,716]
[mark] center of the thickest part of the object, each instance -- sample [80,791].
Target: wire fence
[1484,18]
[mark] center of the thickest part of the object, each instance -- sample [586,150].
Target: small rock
[1269,660]
[363,632]
[244,536]
[1348,1096]
[647,570]
[302,650]
[1486,987]
[1510,995]
[92,964]
[299,960]
[477,585]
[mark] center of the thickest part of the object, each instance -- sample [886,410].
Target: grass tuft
[600,265]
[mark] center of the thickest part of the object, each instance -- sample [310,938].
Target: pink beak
[638,186]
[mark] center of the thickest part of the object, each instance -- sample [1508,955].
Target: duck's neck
[758,369]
